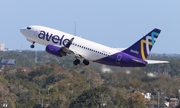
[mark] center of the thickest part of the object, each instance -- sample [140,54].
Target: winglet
[69,43]
[142,47]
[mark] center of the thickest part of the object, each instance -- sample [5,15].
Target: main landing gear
[32,46]
[86,62]
[77,61]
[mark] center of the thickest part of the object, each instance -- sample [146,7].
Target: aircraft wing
[66,49]
[78,55]
[156,61]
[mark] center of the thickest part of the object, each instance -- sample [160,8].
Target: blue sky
[117,23]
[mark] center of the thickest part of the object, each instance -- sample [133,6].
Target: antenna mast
[75,29]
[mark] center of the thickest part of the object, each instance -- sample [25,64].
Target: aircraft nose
[22,31]
[25,30]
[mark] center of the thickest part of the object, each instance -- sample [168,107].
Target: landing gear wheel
[86,62]
[32,46]
[76,62]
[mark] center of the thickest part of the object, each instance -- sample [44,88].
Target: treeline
[56,83]
[51,85]
[28,58]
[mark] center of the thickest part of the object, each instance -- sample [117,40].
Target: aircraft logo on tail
[142,48]
[149,42]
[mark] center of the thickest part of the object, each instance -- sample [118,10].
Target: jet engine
[55,50]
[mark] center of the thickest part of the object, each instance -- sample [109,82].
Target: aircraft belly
[86,54]
[93,57]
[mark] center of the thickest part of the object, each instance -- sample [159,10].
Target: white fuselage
[88,49]
[60,44]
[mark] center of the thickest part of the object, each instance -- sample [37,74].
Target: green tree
[120,101]
[91,98]
[137,100]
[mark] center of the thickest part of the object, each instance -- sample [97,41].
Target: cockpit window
[28,28]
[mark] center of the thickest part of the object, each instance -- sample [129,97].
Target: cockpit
[27,31]
[29,28]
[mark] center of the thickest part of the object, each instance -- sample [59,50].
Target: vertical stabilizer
[142,48]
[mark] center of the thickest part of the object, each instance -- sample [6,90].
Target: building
[173,102]
[7,62]
[2,47]
[147,96]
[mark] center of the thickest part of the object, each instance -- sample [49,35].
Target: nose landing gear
[32,46]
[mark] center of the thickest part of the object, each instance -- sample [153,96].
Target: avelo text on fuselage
[56,39]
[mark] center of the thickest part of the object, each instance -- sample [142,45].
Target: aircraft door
[118,59]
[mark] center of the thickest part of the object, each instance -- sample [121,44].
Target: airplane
[62,44]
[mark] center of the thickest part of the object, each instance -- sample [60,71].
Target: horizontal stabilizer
[156,61]
[138,61]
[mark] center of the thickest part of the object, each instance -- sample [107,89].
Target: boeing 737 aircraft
[62,44]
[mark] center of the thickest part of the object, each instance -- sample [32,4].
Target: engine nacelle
[55,50]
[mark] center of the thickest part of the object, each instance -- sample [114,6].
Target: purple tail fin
[142,47]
